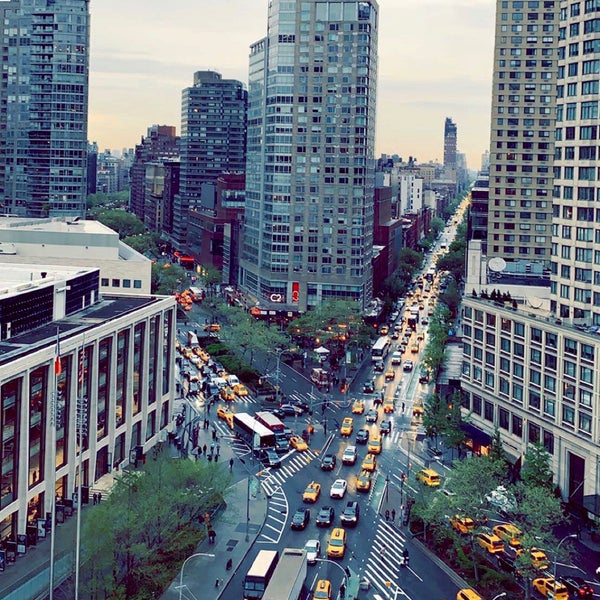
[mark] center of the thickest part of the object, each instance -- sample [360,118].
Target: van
[336,546]
[468,594]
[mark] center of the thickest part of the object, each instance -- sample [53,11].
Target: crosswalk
[383,562]
[273,479]
[277,514]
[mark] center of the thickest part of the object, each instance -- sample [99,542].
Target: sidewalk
[234,539]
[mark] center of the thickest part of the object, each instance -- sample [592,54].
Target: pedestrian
[382,550]
[393,515]
[214,433]
[212,447]
[99,497]
[387,515]
[95,498]
[403,407]
[218,449]
[231,464]
[217,457]
[204,449]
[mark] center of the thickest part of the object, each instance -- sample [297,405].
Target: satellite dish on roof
[497,264]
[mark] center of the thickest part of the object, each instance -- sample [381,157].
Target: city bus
[260,573]
[381,348]
[270,421]
[253,433]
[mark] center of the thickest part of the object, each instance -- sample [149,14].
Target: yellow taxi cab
[374,444]
[539,559]
[358,407]
[467,594]
[312,492]
[414,348]
[347,426]
[336,546]
[363,481]
[463,525]
[384,330]
[490,542]
[298,443]
[227,393]
[388,405]
[213,327]
[322,590]
[508,533]
[418,410]
[390,374]
[429,477]
[239,389]
[225,414]
[369,463]
[420,336]
[549,588]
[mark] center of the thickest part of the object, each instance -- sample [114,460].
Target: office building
[115,359]
[213,141]
[522,135]
[531,365]
[44,107]
[161,143]
[308,228]
[450,142]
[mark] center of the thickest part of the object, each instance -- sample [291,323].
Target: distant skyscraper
[522,148]
[44,107]
[160,143]
[213,140]
[450,140]
[308,231]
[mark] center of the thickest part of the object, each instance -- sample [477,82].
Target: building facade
[308,227]
[114,361]
[44,107]
[531,369]
[450,152]
[213,141]
[522,135]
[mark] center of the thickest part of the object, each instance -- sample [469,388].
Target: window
[137,284]
[104,282]
[503,418]
[585,423]
[534,400]
[517,426]
[568,415]
[116,283]
[549,406]
[533,433]
[488,411]
[126,283]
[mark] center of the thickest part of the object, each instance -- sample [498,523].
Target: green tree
[496,449]
[144,243]
[124,223]
[167,279]
[435,417]
[436,225]
[135,540]
[536,466]
[453,434]
[210,277]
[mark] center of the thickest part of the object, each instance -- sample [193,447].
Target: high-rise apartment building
[308,233]
[44,107]
[521,150]
[531,369]
[213,141]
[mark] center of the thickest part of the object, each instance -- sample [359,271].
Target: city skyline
[428,68]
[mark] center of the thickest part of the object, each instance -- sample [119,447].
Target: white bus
[260,573]
[381,348]
[252,432]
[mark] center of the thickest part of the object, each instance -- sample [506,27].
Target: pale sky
[435,61]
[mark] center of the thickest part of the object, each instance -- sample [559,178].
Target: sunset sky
[435,61]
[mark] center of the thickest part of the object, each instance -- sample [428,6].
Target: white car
[338,489]
[408,365]
[349,456]
[313,551]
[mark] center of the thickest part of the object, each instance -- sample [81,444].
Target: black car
[328,463]
[578,587]
[378,366]
[290,410]
[362,436]
[351,513]
[369,386]
[301,404]
[424,377]
[385,427]
[506,562]
[278,413]
[282,443]
[301,518]
[325,516]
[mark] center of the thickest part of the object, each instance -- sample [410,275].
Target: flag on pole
[57,363]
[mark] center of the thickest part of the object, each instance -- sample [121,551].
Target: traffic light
[403,477]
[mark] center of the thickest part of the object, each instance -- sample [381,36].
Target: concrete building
[522,136]
[531,364]
[77,242]
[114,361]
[213,141]
[450,149]
[44,107]
[308,229]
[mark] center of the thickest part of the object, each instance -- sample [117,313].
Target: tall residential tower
[308,234]
[44,107]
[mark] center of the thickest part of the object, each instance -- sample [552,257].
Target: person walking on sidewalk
[231,464]
[393,515]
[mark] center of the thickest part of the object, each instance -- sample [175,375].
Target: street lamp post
[501,595]
[183,566]
[345,570]
[247,500]
[570,535]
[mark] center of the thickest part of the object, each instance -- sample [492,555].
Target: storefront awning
[478,436]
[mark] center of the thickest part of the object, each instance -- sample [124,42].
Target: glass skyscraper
[308,233]
[44,107]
